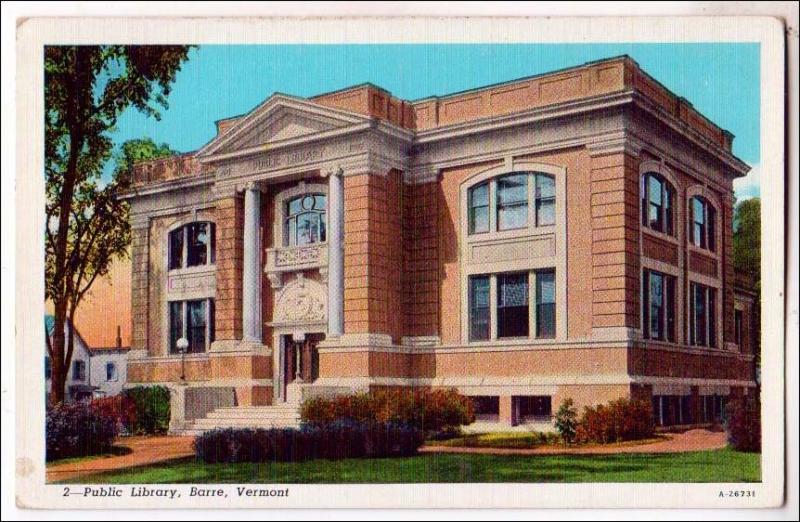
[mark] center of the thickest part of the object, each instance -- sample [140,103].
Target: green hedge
[337,440]
[152,409]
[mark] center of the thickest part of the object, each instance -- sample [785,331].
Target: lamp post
[183,344]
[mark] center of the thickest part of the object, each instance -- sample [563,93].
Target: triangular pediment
[280,120]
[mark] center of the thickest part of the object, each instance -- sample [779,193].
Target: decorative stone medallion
[302,301]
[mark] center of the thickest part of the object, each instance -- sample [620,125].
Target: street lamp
[183,344]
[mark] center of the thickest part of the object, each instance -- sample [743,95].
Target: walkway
[692,440]
[144,450]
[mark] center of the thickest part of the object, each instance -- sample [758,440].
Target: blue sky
[721,80]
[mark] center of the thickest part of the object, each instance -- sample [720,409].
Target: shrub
[152,408]
[744,423]
[120,408]
[78,430]
[427,410]
[336,440]
[567,420]
[619,420]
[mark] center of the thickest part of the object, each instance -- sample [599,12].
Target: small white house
[108,370]
[93,372]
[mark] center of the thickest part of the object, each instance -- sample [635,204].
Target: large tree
[747,256]
[87,87]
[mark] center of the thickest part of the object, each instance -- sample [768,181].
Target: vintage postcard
[285,263]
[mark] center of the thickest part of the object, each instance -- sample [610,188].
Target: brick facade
[407,168]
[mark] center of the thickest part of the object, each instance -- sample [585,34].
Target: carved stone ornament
[298,256]
[302,301]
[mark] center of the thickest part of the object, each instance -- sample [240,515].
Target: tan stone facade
[398,179]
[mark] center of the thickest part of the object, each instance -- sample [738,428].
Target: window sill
[704,251]
[516,233]
[660,235]
[201,269]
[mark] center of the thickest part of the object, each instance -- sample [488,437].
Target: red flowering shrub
[77,430]
[617,421]
[120,408]
[744,423]
[427,410]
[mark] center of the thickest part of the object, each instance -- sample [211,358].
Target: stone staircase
[282,415]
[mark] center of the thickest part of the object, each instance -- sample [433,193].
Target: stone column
[335,253]
[251,274]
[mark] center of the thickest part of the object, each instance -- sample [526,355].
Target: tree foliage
[87,87]
[747,238]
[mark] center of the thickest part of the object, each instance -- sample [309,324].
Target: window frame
[115,374]
[738,326]
[710,306]
[533,306]
[500,278]
[524,202]
[533,202]
[472,308]
[667,322]
[665,209]
[79,370]
[322,216]
[182,231]
[209,330]
[708,233]
[471,207]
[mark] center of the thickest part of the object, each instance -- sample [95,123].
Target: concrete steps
[277,416]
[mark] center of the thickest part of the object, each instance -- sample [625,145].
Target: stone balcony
[294,259]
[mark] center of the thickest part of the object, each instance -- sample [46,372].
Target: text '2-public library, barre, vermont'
[566,235]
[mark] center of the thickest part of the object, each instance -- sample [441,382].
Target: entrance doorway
[300,360]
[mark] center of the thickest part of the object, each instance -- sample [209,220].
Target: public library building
[563,235]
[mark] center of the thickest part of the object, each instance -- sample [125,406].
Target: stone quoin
[566,235]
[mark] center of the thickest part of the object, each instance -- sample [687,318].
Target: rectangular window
[479,209]
[486,407]
[546,304]
[711,216]
[656,204]
[668,219]
[738,324]
[176,248]
[175,325]
[535,408]
[79,371]
[512,201]
[545,200]
[659,306]
[512,305]
[698,223]
[711,309]
[194,321]
[111,371]
[703,320]
[198,245]
[196,326]
[479,308]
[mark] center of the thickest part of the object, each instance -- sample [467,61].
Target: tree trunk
[58,365]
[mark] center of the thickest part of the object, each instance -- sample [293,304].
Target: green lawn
[704,466]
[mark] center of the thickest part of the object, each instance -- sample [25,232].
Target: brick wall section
[420,257]
[230,252]
[140,251]
[615,241]
[728,324]
[365,254]
[395,194]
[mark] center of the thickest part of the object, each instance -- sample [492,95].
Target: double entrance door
[300,360]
